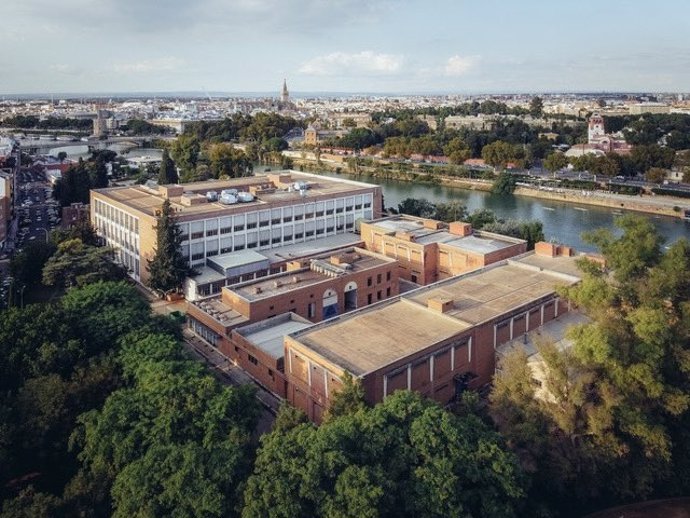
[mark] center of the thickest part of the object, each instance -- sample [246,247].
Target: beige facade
[285,208]
[429,250]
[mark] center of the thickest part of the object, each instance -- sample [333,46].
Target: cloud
[149,65]
[459,65]
[362,63]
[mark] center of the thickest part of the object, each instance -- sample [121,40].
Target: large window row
[272,218]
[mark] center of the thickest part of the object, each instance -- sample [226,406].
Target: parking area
[37,212]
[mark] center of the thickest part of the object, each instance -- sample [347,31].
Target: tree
[405,457]
[615,424]
[185,151]
[504,184]
[26,267]
[536,107]
[77,264]
[417,207]
[167,173]
[168,267]
[498,154]
[457,151]
[451,211]
[225,160]
[555,161]
[175,442]
[348,400]
[74,186]
[655,175]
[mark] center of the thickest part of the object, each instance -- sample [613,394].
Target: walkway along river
[563,222]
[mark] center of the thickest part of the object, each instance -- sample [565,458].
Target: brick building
[311,290]
[260,212]
[438,340]
[429,250]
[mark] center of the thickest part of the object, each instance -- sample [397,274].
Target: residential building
[311,290]
[428,250]
[278,209]
[438,340]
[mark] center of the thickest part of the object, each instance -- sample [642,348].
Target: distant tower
[595,129]
[99,123]
[285,95]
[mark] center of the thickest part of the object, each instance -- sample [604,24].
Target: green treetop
[168,267]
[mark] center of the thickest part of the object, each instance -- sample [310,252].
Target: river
[563,222]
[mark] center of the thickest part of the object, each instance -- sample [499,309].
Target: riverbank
[649,204]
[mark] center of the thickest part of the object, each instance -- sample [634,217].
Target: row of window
[117,216]
[198,251]
[379,278]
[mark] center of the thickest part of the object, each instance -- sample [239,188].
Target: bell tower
[595,128]
[285,95]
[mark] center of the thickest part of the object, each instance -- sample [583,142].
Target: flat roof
[314,247]
[491,292]
[206,275]
[380,336]
[221,312]
[239,258]
[371,338]
[147,201]
[478,242]
[268,335]
[554,331]
[265,287]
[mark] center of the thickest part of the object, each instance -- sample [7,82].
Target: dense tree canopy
[615,426]
[404,457]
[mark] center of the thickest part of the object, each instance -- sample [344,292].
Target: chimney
[459,228]
[440,304]
[432,224]
[546,249]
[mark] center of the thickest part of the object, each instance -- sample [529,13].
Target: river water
[563,222]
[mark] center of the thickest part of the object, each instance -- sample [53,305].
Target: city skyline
[344,46]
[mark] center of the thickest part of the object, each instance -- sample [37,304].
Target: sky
[387,46]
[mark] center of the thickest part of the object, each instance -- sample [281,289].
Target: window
[236,228]
[311,309]
[388,276]
[388,292]
[368,281]
[369,298]
[252,359]
[378,278]
[378,295]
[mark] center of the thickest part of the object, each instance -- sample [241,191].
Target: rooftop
[147,200]
[554,331]
[386,333]
[221,312]
[321,269]
[373,337]
[426,232]
[267,335]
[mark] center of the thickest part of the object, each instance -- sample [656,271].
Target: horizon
[344,46]
[267,94]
